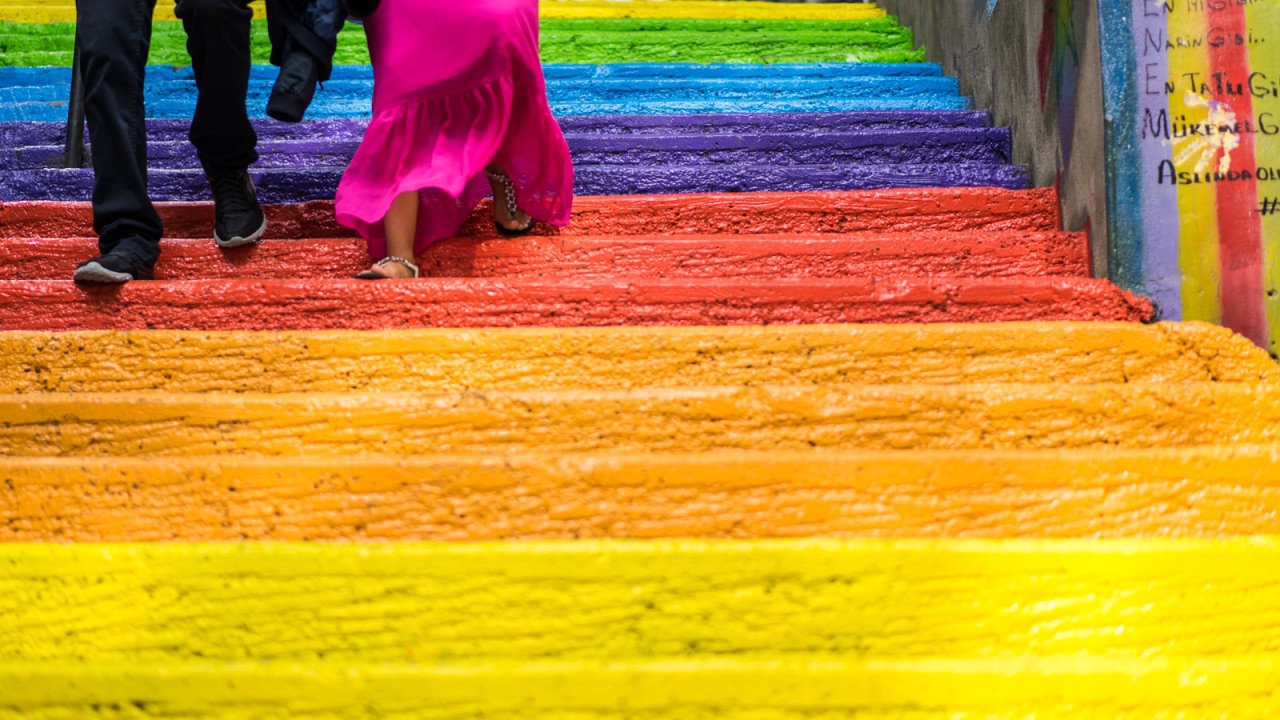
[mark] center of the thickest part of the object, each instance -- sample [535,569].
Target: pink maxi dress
[457,85]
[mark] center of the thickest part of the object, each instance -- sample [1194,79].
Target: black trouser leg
[115,38]
[218,41]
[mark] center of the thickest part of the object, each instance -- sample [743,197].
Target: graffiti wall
[1193,99]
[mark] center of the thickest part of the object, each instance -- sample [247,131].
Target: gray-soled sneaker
[238,218]
[114,268]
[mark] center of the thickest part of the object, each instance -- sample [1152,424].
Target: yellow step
[65,10]
[622,600]
[1063,688]
[901,417]
[609,358]
[1197,492]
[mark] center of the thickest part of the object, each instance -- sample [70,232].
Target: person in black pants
[115,39]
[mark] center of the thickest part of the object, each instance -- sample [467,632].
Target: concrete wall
[1036,65]
[1160,120]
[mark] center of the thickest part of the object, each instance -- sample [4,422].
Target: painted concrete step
[1208,492]
[660,256]
[13,78]
[881,146]
[293,185]
[596,41]
[932,689]
[52,111]
[551,302]
[570,76]
[171,93]
[899,210]
[847,417]
[600,600]
[614,358]
[64,10]
[18,134]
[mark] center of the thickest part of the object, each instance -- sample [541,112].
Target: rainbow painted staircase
[641,468]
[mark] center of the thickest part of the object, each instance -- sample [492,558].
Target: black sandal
[372,274]
[512,208]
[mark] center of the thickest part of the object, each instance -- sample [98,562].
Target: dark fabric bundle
[304,39]
[361,9]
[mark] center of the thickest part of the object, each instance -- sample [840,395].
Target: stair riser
[520,302]
[18,134]
[801,600]
[1064,688]
[907,147]
[1012,255]
[302,185]
[1218,492]
[902,210]
[1012,417]
[605,359]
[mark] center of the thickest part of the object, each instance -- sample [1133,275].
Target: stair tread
[14,134]
[291,185]
[452,302]
[1225,491]
[999,416]
[1007,254]
[897,210]
[612,358]
[837,600]
[1072,688]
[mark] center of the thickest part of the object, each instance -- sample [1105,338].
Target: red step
[992,254]
[352,304]
[898,211]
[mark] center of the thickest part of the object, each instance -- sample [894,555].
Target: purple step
[18,134]
[938,146]
[300,185]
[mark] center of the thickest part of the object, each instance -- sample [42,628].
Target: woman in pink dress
[459,111]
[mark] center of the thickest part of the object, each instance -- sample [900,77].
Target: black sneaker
[295,88]
[238,218]
[117,266]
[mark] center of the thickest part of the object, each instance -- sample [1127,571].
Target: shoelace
[231,193]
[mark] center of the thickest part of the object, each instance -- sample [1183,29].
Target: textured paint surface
[1203,492]
[41,95]
[904,211]
[908,147]
[537,359]
[320,183]
[562,41]
[701,689]
[555,302]
[662,256]
[64,10]
[645,599]
[999,431]
[914,417]
[688,157]
[23,134]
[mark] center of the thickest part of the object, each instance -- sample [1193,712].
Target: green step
[562,41]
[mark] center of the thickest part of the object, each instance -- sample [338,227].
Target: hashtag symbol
[1270,206]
